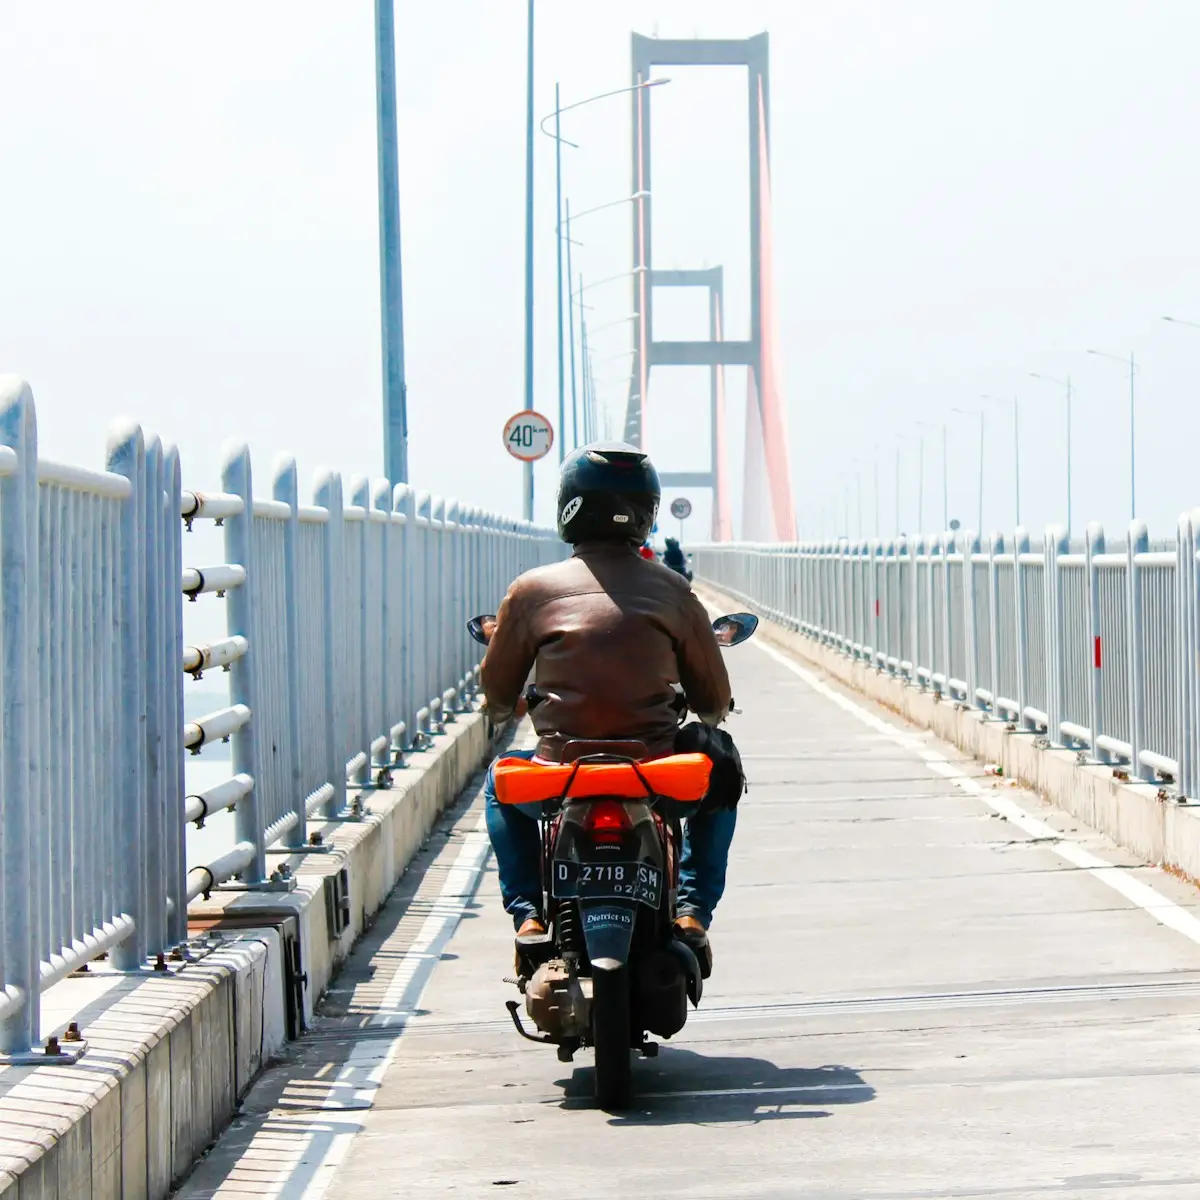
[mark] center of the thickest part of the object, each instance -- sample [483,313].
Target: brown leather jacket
[607,633]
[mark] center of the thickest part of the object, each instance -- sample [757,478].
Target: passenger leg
[703,861]
[516,842]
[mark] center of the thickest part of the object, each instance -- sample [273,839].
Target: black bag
[728,780]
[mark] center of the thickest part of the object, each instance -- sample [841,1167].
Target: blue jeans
[513,829]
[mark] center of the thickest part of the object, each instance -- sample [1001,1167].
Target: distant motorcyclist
[607,634]
[674,558]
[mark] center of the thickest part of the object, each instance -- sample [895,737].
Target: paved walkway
[915,995]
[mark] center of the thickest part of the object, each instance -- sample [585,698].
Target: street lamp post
[558,220]
[1066,385]
[1016,407]
[921,486]
[878,526]
[568,220]
[585,360]
[570,331]
[899,445]
[528,470]
[1133,370]
[945,469]
[395,398]
[559,141]
[977,412]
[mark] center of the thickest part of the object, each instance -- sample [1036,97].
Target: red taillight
[607,820]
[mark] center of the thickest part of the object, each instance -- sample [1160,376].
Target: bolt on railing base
[354,812]
[307,848]
[277,883]
[54,1052]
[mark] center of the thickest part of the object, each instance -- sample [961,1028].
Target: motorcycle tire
[611,1037]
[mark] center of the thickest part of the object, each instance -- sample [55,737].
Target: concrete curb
[171,1055]
[1136,816]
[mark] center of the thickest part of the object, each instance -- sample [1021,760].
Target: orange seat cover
[682,777]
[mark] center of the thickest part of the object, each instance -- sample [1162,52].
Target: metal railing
[1094,648]
[346,651]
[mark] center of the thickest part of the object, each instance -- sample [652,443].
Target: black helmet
[608,492]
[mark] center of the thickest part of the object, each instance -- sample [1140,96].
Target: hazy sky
[965,191]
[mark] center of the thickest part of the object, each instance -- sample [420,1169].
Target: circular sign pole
[681,509]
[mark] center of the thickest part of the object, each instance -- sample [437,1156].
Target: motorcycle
[609,969]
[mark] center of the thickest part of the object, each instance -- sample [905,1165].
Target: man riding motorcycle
[674,558]
[606,634]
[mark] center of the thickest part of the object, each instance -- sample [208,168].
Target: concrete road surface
[919,992]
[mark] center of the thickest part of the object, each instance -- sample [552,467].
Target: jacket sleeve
[509,659]
[701,668]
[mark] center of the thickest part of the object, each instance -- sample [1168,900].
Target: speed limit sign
[681,508]
[528,436]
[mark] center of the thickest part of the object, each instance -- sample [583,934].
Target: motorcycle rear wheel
[611,1036]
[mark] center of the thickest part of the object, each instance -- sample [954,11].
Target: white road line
[306,1149]
[368,1063]
[1166,912]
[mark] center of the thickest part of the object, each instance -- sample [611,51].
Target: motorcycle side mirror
[482,628]
[734,629]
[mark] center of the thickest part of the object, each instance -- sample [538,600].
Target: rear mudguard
[608,931]
[608,924]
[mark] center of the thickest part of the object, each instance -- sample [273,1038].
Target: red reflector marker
[1097,654]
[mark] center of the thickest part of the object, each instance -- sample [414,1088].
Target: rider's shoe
[690,930]
[533,929]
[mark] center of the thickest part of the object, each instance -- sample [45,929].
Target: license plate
[607,881]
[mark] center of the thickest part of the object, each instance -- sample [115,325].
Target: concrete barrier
[1139,816]
[170,1055]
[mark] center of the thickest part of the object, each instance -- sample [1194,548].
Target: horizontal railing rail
[1093,647]
[345,648]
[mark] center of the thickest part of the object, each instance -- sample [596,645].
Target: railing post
[1138,542]
[1020,547]
[997,541]
[401,648]
[883,573]
[360,497]
[173,743]
[19,908]
[242,615]
[127,456]
[1095,546]
[381,502]
[873,562]
[437,591]
[153,867]
[327,493]
[1187,657]
[423,565]
[927,596]
[1058,542]
[948,547]
[285,488]
[455,570]
[970,549]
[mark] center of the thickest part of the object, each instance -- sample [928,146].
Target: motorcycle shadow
[681,1087]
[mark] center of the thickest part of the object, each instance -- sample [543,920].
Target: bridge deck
[913,997]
